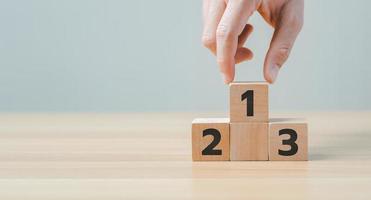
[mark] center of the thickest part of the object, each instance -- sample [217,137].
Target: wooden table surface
[148,156]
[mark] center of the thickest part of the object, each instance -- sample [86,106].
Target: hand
[225,32]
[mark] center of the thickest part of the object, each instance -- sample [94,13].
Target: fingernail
[226,79]
[274,69]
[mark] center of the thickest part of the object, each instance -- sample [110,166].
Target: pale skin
[226,31]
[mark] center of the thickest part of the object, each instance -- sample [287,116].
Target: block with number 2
[210,139]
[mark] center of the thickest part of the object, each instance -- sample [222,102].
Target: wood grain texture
[200,142]
[275,139]
[148,156]
[238,106]
[249,141]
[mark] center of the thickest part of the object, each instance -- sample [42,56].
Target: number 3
[291,141]
[209,150]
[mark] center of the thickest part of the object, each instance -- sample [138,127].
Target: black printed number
[249,96]
[209,150]
[291,141]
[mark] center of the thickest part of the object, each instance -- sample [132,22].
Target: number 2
[291,141]
[249,96]
[209,150]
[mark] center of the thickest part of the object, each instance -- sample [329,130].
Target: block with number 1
[249,121]
[249,102]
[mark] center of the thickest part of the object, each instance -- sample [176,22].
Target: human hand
[225,32]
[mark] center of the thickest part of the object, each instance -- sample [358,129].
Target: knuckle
[223,32]
[223,63]
[282,54]
[208,41]
[295,22]
[220,61]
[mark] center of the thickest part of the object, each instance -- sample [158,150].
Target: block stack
[248,133]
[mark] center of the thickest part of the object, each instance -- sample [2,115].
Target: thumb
[286,31]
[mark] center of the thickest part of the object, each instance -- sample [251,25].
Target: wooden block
[249,141]
[249,102]
[210,139]
[288,139]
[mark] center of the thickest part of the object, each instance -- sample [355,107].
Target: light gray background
[143,55]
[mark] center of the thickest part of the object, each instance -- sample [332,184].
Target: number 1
[249,96]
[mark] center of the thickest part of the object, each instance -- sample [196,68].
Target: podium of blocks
[249,134]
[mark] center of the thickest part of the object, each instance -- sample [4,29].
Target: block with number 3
[249,102]
[210,139]
[288,139]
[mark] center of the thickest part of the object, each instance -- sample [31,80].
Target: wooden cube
[210,139]
[249,102]
[249,141]
[288,139]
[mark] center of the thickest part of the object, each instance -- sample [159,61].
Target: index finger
[231,25]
